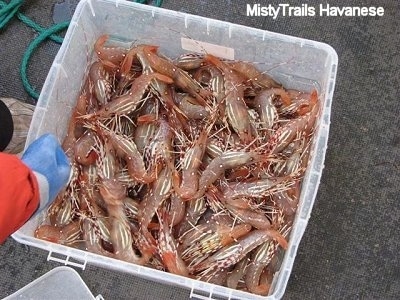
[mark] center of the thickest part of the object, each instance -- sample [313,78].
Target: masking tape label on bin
[203,47]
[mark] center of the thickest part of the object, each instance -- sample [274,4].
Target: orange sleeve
[19,194]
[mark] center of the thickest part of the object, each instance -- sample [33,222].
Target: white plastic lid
[59,283]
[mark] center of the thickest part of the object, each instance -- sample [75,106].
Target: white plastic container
[59,283]
[295,62]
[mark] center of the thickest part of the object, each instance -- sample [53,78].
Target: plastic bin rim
[321,45]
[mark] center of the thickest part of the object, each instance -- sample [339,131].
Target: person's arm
[19,194]
[29,184]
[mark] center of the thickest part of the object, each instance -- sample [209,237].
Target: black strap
[6,126]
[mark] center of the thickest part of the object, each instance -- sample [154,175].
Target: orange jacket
[19,194]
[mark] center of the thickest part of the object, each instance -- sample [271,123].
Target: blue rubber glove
[47,160]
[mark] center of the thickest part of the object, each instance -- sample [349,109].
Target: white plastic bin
[295,62]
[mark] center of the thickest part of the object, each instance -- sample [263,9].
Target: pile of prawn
[192,166]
